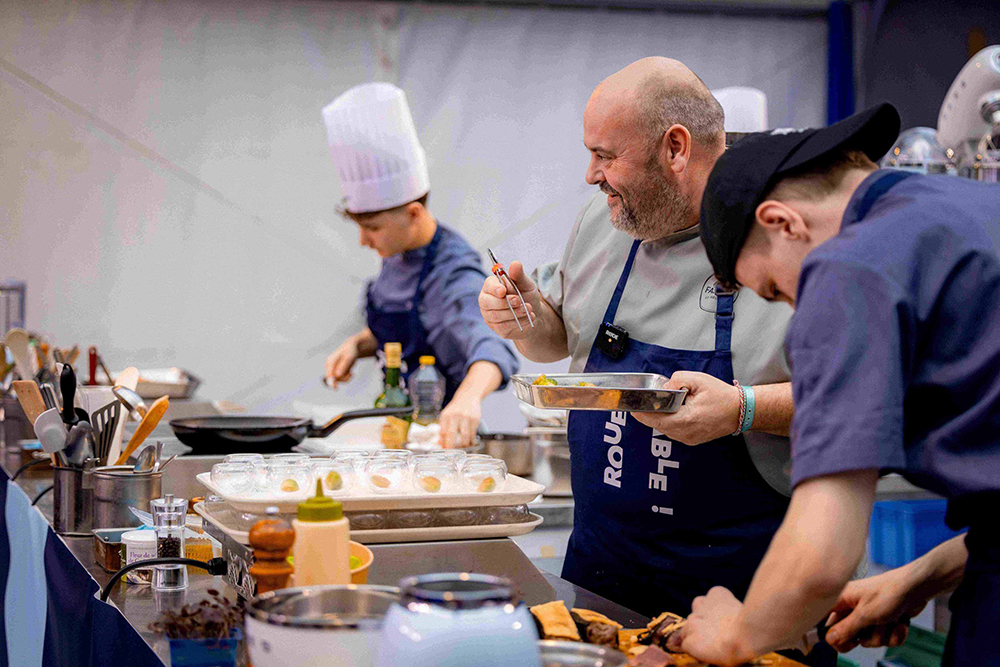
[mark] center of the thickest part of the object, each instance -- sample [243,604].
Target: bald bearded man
[656,520]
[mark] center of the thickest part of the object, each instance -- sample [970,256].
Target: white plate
[386,535]
[515,491]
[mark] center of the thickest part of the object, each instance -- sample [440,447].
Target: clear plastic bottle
[427,389]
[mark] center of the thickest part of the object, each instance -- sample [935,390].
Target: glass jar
[169,517]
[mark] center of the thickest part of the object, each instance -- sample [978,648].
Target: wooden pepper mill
[272,540]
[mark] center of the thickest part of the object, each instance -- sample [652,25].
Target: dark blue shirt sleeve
[847,357]
[455,326]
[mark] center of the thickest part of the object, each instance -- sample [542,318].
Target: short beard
[651,208]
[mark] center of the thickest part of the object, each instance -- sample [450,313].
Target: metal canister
[116,489]
[514,449]
[72,503]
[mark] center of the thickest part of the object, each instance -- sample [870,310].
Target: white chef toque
[745,108]
[375,148]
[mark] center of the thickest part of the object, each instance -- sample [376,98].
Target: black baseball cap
[753,165]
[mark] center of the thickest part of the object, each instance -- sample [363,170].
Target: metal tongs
[501,274]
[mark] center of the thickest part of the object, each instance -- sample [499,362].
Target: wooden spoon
[146,426]
[31,402]
[18,342]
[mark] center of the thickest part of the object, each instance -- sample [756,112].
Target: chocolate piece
[660,629]
[602,633]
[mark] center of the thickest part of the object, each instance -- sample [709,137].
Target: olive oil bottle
[395,429]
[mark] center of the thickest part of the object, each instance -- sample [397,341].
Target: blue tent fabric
[839,62]
[52,615]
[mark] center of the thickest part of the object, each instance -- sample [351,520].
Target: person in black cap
[895,355]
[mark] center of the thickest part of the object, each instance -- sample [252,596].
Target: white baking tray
[515,491]
[386,535]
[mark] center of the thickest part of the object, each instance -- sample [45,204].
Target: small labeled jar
[139,545]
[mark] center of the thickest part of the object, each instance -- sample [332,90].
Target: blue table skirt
[52,616]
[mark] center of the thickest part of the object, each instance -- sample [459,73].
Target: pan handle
[335,423]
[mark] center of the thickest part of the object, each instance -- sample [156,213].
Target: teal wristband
[751,404]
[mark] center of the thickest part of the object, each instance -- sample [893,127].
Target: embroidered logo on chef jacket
[661,448]
[786,130]
[707,298]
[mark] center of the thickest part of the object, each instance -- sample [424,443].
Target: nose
[594,175]
[364,238]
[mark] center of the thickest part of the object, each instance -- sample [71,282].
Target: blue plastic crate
[904,530]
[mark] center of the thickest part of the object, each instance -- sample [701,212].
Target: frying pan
[262,435]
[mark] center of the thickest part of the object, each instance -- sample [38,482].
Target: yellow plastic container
[359,574]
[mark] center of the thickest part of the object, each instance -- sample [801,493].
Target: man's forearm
[939,570]
[547,342]
[810,560]
[366,342]
[482,380]
[774,408]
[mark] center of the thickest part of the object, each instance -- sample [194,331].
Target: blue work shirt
[895,342]
[449,311]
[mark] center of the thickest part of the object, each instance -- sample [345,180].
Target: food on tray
[542,380]
[381,481]
[586,384]
[333,480]
[289,485]
[646,647]
[554,621]
[430,484]
[487,485]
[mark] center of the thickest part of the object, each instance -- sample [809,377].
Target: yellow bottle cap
[427,360]
[393,355]
[320,507]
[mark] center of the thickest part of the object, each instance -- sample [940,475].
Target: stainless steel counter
[141,605]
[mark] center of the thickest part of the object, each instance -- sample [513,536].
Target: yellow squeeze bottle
[322,542]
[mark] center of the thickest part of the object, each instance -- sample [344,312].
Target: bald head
[659,92]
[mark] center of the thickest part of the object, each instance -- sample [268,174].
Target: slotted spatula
[105,422]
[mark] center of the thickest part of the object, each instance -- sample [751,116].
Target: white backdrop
[165,187]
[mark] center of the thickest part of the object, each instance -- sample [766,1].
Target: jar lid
[320,507]
[427,360]
[139,536]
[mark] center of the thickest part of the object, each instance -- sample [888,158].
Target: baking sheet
[515,491]
[612,392]
[387,535]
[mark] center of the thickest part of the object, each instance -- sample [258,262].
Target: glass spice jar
[169,518]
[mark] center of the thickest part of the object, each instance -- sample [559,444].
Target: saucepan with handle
[227,434]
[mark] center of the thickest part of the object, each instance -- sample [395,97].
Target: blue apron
[404,326]
[975,604]
[658,523]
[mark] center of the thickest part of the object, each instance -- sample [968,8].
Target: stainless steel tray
[622,392]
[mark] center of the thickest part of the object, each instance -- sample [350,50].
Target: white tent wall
[166,190]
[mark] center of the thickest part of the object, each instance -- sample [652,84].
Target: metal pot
[551,453]
[577,654]
[313,625]
[116,489]
[72,506]
[513,448]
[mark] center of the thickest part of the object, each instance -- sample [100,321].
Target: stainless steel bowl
[313,625]
[576,654]
[513,448]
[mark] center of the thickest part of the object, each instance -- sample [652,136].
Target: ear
[776,217]
[413,211]
[675,148]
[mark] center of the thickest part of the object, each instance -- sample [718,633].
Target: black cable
[42,493]
[28,465]
[216,566]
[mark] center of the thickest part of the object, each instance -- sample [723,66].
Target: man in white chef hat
[425,296]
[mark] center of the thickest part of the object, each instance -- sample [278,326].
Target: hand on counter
[710,411]
[459,421]
[712,632]
[493,304]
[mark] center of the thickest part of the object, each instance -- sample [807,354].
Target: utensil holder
[118,488]
[72,502]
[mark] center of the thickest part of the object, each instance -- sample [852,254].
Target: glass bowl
[233,478]
[388,475]
[338,477]
[484,476]
[285,478]
[435,475]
